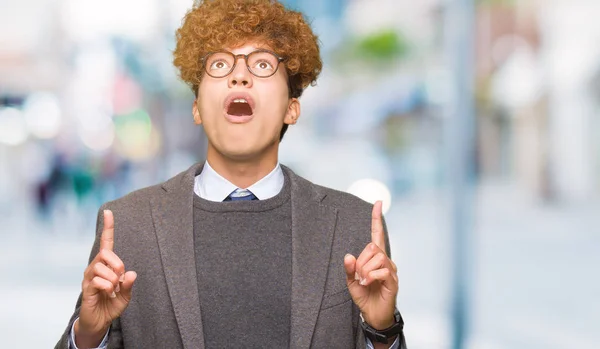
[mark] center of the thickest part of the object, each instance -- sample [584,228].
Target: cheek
[207,94]
[276,97]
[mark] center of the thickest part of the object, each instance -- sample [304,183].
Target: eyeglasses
[261,63]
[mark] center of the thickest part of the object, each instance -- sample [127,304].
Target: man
[239,251]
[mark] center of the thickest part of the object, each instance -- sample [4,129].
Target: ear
[293,112]
[196,112]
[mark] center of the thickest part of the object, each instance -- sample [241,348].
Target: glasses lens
[219,64]
[262,63]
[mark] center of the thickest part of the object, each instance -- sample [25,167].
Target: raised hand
[372,279]
[106,290]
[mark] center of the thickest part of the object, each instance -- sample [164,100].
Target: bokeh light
[372,190]
[137,140]
[98,135]
[13,130]
[43,115]
[89,19]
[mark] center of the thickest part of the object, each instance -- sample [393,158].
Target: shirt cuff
[394,345]
[103,344]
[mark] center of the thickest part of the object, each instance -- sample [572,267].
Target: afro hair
[212,25]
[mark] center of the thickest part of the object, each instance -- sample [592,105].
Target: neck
[242,173]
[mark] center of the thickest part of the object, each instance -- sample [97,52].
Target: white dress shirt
[212,186]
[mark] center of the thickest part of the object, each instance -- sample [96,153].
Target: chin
[239,152]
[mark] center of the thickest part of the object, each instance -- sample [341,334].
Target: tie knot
[241,195]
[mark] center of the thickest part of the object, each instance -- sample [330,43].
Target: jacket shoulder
[142,196]
[343,200]
[134,198]
[354,218]
[331,197]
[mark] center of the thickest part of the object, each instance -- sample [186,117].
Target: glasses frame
[235,60]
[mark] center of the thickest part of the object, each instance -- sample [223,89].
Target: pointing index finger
[377,235]
[107,240]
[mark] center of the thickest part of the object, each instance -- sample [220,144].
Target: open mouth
[239,107]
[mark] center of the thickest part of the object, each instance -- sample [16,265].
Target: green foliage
[384,45]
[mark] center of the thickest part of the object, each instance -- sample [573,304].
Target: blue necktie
[241,195]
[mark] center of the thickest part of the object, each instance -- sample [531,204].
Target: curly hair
[212,25]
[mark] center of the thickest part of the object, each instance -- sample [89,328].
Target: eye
[219,65]
[264,65]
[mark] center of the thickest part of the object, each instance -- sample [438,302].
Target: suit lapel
[173,219]
[313,225]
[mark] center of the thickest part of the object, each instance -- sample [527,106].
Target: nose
[240,75]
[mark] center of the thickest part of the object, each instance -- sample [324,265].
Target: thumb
[350,266]
[357,291]
[128,280]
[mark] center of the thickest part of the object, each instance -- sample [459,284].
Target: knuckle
[95,281]
[100,284]
[98,268]
[119,265]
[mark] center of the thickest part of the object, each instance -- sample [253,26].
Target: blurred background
[91,109]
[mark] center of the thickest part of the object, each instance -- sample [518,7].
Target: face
[243,114]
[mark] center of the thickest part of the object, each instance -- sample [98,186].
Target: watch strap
[383,336]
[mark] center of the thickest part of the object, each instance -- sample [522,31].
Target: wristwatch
[384,335]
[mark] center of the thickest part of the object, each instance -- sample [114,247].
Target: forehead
[247,47]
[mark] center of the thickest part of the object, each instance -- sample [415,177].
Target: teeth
[240,100]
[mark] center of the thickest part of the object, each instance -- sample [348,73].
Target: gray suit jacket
[154,237]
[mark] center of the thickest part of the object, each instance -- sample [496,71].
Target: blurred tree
[385,45]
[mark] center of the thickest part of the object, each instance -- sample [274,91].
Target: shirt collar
[212,186]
